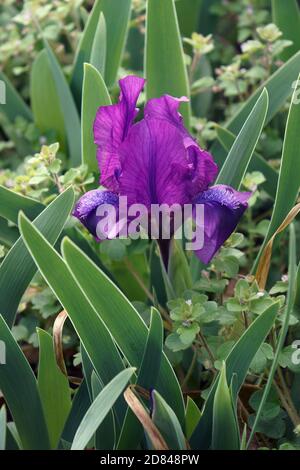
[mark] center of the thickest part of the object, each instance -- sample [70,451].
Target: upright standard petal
[87,207]
[166,107]
[111,127]
[154,164]
[203,169]
[223,208]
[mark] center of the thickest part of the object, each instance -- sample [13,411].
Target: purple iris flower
[156,161]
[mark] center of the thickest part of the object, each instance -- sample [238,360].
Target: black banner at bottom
[137,459]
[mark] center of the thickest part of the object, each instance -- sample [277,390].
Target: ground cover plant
[136,342]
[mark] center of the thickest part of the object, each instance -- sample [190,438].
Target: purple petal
[111,127]
[86,208]
[203,169]
[156,168]
[223,208]
[166,108]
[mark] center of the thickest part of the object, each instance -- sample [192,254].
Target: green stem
[190,369]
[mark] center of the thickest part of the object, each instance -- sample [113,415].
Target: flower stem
[190,369]
[139,280]
[164,247]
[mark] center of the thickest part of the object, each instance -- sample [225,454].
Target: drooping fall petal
[86,208]
[223,208]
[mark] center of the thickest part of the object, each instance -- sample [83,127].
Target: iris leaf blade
[289,174]
[257,162]
[14,104]
[94,94]
[19,388]
[44,96]
[18,268]
[123,321]
[80,404]
[237,161]
[53,387]
[100,407]
[224,417]
[132,430]
[286,16]
[92,332]
[8,235]
[68,107]
[192,416]
[105,436]
[12,203]
[98,52]
[165,69]
[83,51]
[166,421]
[117,15]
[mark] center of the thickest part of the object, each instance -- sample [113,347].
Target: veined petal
[86,208]
[223,208]
[166,107]
[203,169]
[111,127]
[156,168]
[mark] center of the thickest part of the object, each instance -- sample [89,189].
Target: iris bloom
[156,161]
